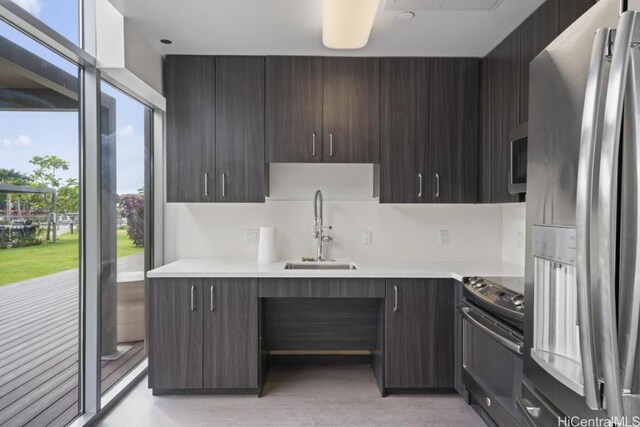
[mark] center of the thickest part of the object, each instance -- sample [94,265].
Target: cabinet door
[420,329]
[190,93]
[294,109]
[231,333]
[351,98]
[504,115]
[453,130]
[240,171]
[507,71]
[486,115]
[401,168]
[571,10]
[175,333]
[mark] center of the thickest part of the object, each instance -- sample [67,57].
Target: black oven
[492,352]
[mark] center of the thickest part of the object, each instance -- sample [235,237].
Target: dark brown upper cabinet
[429,130]
[570,10]
[402,165]
[293,109]
[240,170]
[500,114]
[215,129]
[351,110]
[452,130]
[191,96]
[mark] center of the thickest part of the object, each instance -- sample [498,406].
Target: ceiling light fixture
[346,24]
[406,15]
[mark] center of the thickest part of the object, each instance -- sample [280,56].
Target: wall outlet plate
[251,236]
[367,237]
[444,237]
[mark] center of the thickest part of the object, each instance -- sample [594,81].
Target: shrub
[31,235]
[132,209]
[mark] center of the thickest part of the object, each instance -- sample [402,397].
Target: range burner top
[498,295]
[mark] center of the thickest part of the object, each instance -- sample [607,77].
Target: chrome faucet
[318,232]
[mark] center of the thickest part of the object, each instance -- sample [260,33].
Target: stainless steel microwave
[518,160]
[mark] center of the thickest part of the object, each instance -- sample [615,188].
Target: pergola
[25,189]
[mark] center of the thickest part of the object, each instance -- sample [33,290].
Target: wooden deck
[39,349]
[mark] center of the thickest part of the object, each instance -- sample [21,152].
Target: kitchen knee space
[321,212]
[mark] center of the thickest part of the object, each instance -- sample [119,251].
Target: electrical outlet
[251,236]
[367,237]
[520,239]
[444,237]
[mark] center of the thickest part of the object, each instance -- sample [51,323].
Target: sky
[27,134]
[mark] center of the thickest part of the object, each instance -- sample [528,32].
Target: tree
[12,176]
[45,175]
[69,196]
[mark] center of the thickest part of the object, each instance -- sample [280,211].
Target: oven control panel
[497,296]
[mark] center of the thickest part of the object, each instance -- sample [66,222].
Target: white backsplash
[399,232]
[513,232]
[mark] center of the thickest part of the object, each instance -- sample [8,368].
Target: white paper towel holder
[267,245]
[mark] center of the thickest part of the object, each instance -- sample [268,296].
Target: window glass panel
[39,233]
[125,139]
[61,15]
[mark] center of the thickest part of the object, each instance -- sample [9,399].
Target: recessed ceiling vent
[434,5]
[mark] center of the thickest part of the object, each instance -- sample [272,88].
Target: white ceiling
[294,27]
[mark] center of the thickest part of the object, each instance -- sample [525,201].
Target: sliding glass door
[40,231]
[75,216]
[125,153]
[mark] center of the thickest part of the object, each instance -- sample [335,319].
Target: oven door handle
[506,343]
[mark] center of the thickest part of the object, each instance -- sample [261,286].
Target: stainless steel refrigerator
[582,288]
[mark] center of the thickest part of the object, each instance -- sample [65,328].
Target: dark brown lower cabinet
[203,334]
[175,333]
[231,333]
[420,334]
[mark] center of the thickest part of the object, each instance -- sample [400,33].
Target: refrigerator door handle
[629,289]
[607,217]
[587,185]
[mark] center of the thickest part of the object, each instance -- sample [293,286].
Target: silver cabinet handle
[193,297]
[212,291]
[224,185]
[419,185]
[395,298]
[330,145]
[313,144]
[437,185]
[206,184]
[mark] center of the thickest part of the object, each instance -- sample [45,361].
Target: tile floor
[296,396]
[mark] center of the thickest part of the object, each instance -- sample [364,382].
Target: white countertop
[383,269]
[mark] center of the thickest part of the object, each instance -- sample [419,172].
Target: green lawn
[26,263]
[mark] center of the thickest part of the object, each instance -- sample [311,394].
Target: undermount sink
[324,265]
